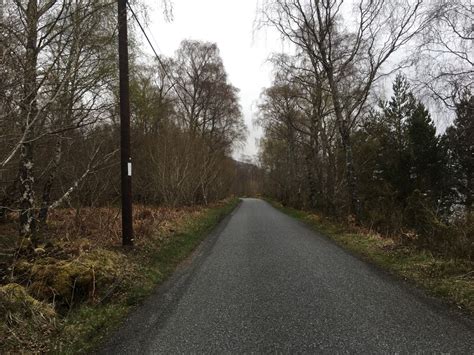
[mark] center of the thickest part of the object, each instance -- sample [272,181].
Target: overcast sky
[229,23]
[245,53]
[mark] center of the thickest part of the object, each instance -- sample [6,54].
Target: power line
[148,40]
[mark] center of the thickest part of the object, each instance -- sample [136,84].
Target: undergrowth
[451,279]
[66,295]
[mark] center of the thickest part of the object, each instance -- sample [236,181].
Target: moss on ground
[145,268]
[449,279]
[25,321]
[76,292]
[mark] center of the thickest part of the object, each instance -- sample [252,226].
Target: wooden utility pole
[125,154]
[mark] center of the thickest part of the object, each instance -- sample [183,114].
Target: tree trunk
[292,192]
[29,112]
[350,175]
[310,162]
[46,201]
[469,197]
[27,197]
[312,166]
[344,131]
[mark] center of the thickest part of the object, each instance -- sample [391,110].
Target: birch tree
[60,50]
[444,57]
[351,53]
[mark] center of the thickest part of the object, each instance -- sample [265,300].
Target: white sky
[229,23]
[245,53]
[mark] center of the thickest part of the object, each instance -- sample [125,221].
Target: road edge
[446,305]
[164,297]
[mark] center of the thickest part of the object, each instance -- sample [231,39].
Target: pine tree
[460,142]
[398,110]
[411,156]
[394,162]
[427,165]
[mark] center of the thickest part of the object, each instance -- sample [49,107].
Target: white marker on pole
[129,169]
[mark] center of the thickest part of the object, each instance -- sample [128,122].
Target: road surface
[263,282]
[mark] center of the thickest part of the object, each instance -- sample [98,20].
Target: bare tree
[60,49]
[207,105]
[351,56]
[444,57]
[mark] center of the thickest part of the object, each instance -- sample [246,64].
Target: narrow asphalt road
[263,282]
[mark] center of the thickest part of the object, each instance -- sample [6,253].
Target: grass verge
[87,326]
[449,279]
[107,282]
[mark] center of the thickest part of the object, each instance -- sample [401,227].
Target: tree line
[59,115]
[332,141]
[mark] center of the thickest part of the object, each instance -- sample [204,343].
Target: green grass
[83,329]
[449,279]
